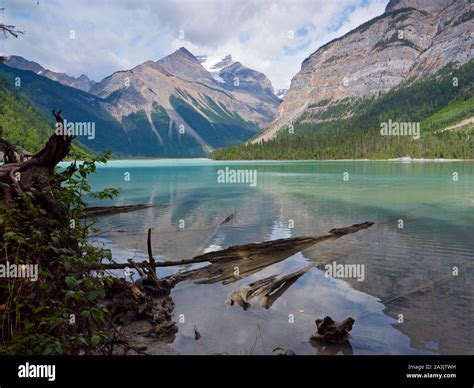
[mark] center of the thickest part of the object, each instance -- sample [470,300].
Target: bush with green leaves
[61,312]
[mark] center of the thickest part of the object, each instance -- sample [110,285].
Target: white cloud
[116,35]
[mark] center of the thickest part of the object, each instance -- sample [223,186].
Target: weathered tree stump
[331,331]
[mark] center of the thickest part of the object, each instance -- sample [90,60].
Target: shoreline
[184,160]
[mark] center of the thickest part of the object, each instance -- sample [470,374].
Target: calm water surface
[305,198]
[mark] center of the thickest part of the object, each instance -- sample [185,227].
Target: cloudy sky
[273,37]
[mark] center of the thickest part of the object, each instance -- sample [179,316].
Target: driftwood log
[97,211]
[240,261]
[247,259]
[266,287]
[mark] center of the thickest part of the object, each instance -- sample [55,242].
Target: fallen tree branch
[8,29]
[237,262]
[298,243]
[256,252]
[150,252]
[97,211]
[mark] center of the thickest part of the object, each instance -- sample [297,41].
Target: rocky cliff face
[411,39]
[82,82]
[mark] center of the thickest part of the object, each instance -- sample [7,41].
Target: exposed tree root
[142,314]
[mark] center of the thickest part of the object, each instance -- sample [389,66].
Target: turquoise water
[394,311]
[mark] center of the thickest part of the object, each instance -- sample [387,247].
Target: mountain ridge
[412,38]
[82,82]
[173,107]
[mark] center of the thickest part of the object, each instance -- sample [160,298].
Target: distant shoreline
[402,159]
[399,160]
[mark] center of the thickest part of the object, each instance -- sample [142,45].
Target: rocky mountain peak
[183,52]
[183,64]
[241,79]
